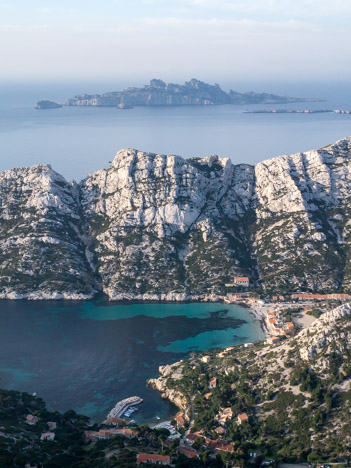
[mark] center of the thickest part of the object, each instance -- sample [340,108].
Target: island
[193,92]
[296,111]
[47,105]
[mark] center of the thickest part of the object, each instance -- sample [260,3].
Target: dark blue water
[88,355]
[78,141]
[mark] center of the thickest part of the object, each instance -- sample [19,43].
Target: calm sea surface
[77,141]
[88,355]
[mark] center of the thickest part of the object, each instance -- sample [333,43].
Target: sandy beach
[260,313]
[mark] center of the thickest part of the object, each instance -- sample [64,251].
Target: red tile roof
[152,457]
[243,417]
[189,453]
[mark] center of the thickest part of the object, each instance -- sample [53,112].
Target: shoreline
[260,314]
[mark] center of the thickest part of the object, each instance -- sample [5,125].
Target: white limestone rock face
[327,336]
[41,252]
[157,227]
[302,215]
[167,228]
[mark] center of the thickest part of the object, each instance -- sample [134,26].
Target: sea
[88,355]
[77,141]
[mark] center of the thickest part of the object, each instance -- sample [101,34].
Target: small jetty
[123,405]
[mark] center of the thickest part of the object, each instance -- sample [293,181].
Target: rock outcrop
[193,92]
[42,240]
[158,227]
[47,105]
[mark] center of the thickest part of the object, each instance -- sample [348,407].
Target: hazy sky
[175,40]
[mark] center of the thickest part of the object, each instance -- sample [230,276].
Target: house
[208,395]
[222,354]
[205,358]
[109,434]
[290,326]
[117,422]
[52,425]
[91,436]
[226,448]
[31,420]
[180,420]
[155,459]
[225,415]
[242,417]
[213,383]
[190,438]
[220,430]
[189,453]
[242,281]
[47,436]
[272,340]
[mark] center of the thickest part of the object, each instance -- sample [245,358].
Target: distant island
[47,105]
[193,92]
[296,111]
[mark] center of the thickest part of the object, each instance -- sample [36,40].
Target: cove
[87,355]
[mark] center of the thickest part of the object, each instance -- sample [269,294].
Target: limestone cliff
[161,227]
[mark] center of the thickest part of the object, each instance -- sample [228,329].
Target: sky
[135,40]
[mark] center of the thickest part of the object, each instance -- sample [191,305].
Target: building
[52,425]
[213,383]
[208,395]
[117,422]
[205,358]
[156,459]
[47,436]
[242,417]
[180,420]
[242,281]
[190,438]
[31,420]
[92,436]
[226,448]
[110,433]
[188,452]
[272,340]
[220,430]
[225,415]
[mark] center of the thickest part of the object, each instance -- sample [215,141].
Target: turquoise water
[88,355]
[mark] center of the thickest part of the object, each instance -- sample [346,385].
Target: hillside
[162,227]
[296,394]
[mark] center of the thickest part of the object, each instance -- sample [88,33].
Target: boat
[158,418]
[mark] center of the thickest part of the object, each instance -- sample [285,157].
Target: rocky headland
[157,227]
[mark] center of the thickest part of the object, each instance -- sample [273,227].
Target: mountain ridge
[157,227]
